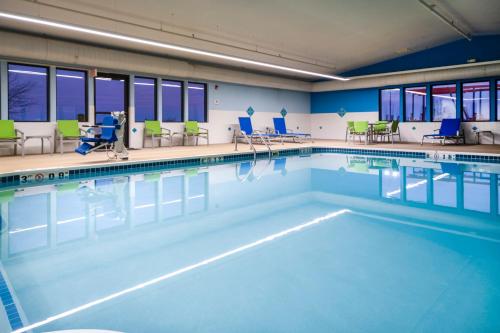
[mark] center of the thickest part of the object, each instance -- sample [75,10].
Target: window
[71,101]
[415,103]
[498,100]
[171,101]
[197,102]
[145,99]
[476,101]
[389,104]
[28,93]
[444,102]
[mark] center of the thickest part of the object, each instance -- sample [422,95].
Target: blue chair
[107,137]
[450,130]
[280,128]
[250,134]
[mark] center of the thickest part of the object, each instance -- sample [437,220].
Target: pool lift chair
[111,138]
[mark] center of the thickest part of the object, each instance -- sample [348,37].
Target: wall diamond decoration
[283,112]
[342,112]
[134,130]
[250,111]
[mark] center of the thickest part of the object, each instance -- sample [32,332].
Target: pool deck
[9,164]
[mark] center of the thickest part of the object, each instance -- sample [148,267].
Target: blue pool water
[321,243]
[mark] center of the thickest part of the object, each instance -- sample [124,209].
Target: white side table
[41,137]
[478,136]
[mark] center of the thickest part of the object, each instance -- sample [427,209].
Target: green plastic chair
[192,129]
[153,129]
[9,134]
[360,129]
[349,130]
[380,129]
[68,131]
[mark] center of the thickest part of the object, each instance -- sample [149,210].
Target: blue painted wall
[358,100]
[482,48]
[234,97]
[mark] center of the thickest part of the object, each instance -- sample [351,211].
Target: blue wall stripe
[358,100]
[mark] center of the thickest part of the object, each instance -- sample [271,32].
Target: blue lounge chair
[280,128]
[251,135]
[450,130]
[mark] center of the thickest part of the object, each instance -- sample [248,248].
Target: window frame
[86,90]
[404,102]
[205,85]
[496,96]
[462,100]
[182,101]
[431,104]
[47,93]
[380,101]
[155,98]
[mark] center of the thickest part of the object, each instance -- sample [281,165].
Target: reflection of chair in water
[452,168]
[280,165]
[246,170]
[357,164]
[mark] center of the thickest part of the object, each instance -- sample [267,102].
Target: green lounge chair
[360,129]
[68,131]
[9,134]
[191,129]
[349,130]
[153,130]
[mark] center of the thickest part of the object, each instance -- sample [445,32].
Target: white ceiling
[328,36]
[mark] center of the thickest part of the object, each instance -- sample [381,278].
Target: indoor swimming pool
[312,243]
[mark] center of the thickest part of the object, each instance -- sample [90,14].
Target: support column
[159,100]
[186,101]
[52,94]
[4,93]
[91,100]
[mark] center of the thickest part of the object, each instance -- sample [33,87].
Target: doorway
[111,94]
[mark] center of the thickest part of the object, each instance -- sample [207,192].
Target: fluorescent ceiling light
[136,40]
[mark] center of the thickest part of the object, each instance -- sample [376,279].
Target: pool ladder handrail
[250,143]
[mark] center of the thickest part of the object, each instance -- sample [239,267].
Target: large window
[476,101]
[171,101]
[145,99]
[197,102]
[389,104]
[71,90]
[28,93]
[444,102]
[415,103]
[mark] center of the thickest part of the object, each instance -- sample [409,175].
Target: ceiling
[327,36]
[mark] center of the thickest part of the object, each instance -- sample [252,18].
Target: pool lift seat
[111,138]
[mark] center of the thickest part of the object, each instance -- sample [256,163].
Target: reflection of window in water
[196,192]
[391,184]
[25,232]
[71,214]
[416,184]
[477,191]
[145,201]
[110,202]
[444,189]
[172,197]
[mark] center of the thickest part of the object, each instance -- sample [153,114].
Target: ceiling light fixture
[136,40]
